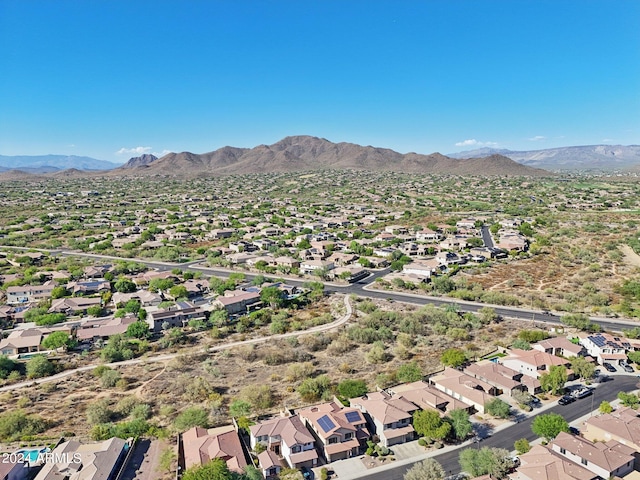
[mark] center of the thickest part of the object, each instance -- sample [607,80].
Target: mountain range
[52,163]
[588,157]
[300,153]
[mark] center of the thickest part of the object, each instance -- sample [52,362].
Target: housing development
[319,324]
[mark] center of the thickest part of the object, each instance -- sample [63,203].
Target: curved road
[505,438]
[364,288]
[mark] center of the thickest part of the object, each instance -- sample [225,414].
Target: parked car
[626,367]
[609,367]
[566,400]
[574,431]
[306,473]
[583,392]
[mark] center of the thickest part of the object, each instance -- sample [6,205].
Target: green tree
[56,340]
[138,329]
[522,446]
[453,357]
[634,356]
[428,469]
[605,407]
[191,417]
[352,388]
[59,292]
[549,425]
[6,366]
[409,372]
[272,296]
[584,369]
[312,389]
[497,407]
[216,469]
[39,366]
[95,310]
[629,399]
[460,423]
[429,424]
[554,380]
[240,408]
[124,285]
[492,461]
[178,291]
[15,424]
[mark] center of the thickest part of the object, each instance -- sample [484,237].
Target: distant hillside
[140,161]
[590,157]
[53,163]
[311,153]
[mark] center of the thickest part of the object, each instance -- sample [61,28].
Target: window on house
[296,449]
[333,440]
[563,451]
[347,436]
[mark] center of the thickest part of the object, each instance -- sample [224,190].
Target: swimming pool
[31,455]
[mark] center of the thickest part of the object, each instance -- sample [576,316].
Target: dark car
[609,367]
[566,400]
[574,431]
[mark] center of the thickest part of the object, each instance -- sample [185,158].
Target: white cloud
[134,151]
[537,138]
[162,153]
[472,142]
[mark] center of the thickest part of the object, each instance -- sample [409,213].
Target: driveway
[144,461]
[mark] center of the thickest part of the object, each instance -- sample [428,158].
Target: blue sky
[111,79]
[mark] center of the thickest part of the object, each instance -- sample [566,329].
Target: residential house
[200,446]
[606,459]
[310,266]
[605,347]
[237,301]
[464,387]
[453,243]
[145,297]
[621,425]
[270,464]
[13,470]
[103,328]
[385,252]
[426,396]
[512,240]
[74,305]
[21,341]
[92,287]
[93,461]
[428,235]
[533,363]
[423,268]
[29,293]
[390,416]
[541,463]
[505,379]
[175,316]
[559,346]
[339,431]
[449,258]
[287,438]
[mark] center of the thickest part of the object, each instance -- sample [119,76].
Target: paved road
[364,288]
[486,237]
[506,438]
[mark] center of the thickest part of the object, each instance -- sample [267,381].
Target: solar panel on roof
[352,417]
[326,423]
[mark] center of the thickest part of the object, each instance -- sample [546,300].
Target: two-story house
[289,439]
[533,363]
[464,387]
[426,396]
[391,417]
[339,431]
[605,347]
[608,460]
